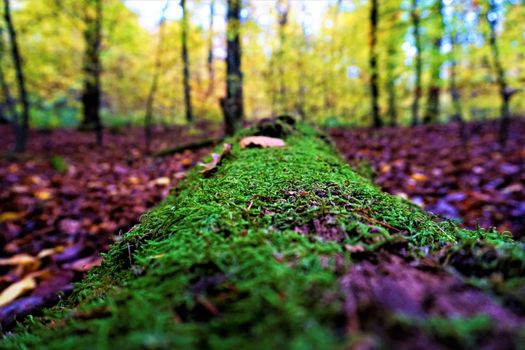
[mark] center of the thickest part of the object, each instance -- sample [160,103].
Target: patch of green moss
[232,259]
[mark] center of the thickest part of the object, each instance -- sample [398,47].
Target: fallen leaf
[50,251]
[84,264]
[354,248]
[186,162]
[134,180]
[19,259]
[419,177]
[43,195]
[161,181]
[17,289]
[261,141]
[210,167]
[11,215]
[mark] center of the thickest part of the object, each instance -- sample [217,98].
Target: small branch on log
[191,146]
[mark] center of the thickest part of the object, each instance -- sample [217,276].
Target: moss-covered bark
[288,248]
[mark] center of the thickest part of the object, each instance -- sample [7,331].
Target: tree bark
[21,126]
[155,82]
[209,61]
[434,90]
[504,90]
[374,71]
[232,104]
[92,68]
[8,110]
[457,115]
[391,84]
[186,63]
[418,63]
[283,8]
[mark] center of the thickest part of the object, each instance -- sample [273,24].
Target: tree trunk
[21,126]
[418,63]
[186,63]
[232,104]
[91,96]
[457,115]
[155,82]
[8,110]
[283,8]
[374,71]
[504,90]
[301,90]
[434,90]
[209,62]
[391,84]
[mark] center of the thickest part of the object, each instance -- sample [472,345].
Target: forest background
[431,60]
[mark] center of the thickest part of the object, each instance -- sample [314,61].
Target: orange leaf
[43,195]
[11,215]
[419,177]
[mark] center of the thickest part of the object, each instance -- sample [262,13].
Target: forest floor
[472,181]
[66,201]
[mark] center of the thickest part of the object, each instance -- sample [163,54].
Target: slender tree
[155,80]
[92,68]
[418,61]
[209,61]
[392,52]
[21,126]
[436,62]
[372,62]
[8,107]
[457,114]
[505,91]
[232,104]
[186,63]
[303,49]
[283,9]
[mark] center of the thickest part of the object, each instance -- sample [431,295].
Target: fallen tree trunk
[289,248]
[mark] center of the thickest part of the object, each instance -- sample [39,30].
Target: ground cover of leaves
[469,179]
[66,200]
[289,248]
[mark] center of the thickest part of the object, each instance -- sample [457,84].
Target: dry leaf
[50,251]
[419,177]
[354,248]
[161,181]
[11,215]
[17,289]
[210,167]
[43,195]
[19,259]
[261,141]
[85,264]
[133,180]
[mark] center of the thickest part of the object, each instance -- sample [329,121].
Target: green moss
[235,259]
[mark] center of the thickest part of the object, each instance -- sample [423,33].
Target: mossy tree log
[289,248]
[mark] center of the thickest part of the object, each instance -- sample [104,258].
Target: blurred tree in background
[90,62]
